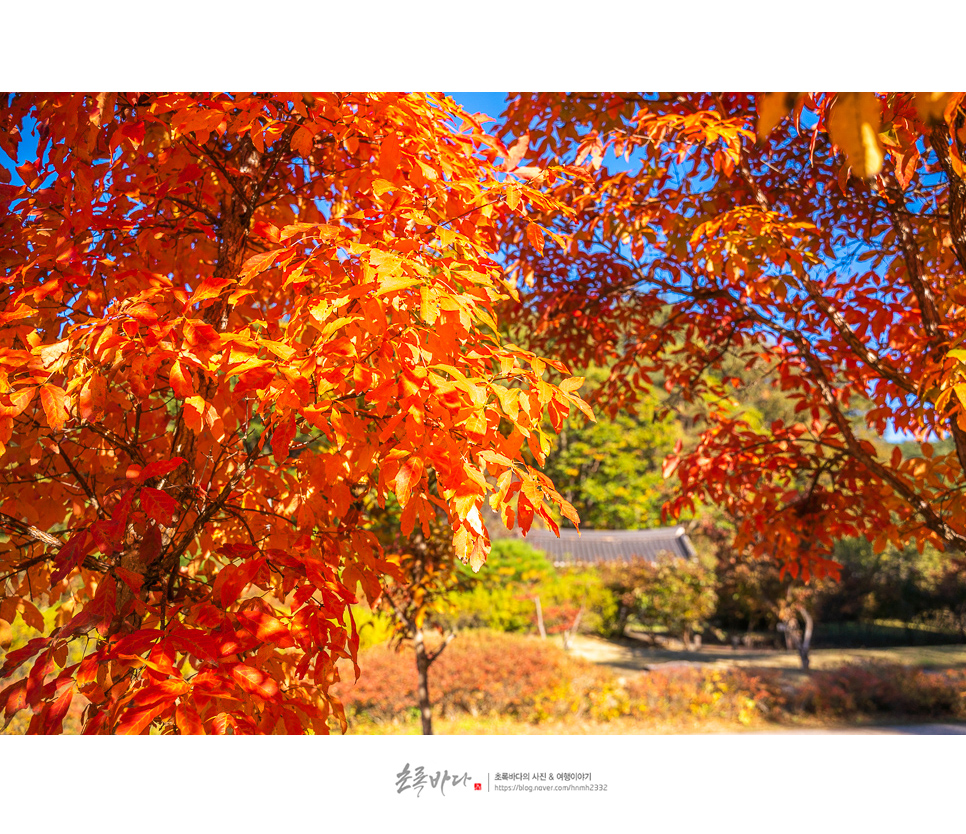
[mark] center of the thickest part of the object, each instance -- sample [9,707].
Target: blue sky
[490,103]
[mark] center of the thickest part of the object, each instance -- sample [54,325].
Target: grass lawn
[635,654]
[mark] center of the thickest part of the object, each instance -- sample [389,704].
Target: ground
[635,653]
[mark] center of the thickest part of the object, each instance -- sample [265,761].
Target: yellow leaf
[428,305]
[853,124]
[380,187]
[932,107]
[49,354]
[394,283]
[571,384]
[772,108]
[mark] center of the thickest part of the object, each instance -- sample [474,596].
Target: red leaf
[236,579]
[159,468]
[254,681]
[133,580]
[265,627]
[70,555]
[181,382]
[157,693]
[670,465]
[58,709]
[524,513]
[253,380]
[14,699]
[282,438]
[136,722]
[159,505]
[188,720]
[195,642]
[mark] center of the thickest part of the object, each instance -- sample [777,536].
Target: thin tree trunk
[422,670]
[806,642]
[540,627]
[569,634]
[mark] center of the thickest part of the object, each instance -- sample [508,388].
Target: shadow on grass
[640,653]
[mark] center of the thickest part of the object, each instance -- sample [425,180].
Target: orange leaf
[410,471]
[19,400]
[211,287]
[282,438]
[32,616]
[54,399]
[517,151]
[259,263]
[181,382]
[93,397]
[535,236]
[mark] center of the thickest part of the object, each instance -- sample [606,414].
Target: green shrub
[672,593]
[497,607]
[571,591]
[375,627]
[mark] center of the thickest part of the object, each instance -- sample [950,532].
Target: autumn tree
[226,319]
[821,235]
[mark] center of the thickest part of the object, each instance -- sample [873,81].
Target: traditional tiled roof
[594,546]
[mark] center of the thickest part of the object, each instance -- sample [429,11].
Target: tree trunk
[540,626]
[422,670]
[569,634]
[623,615]
[806,642]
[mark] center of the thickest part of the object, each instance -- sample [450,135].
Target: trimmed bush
[481,672]
[882,689]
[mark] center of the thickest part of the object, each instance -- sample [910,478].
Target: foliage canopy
[226,319]
[822,235]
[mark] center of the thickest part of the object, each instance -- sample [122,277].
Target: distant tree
[672,593]
[610,470]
